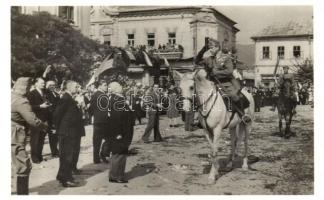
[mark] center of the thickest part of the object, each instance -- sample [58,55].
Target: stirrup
[246,119]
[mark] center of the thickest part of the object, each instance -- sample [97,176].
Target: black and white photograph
[162,99]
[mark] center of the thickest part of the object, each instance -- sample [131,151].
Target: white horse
[214,116]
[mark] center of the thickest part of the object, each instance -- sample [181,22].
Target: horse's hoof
[293,134]
[211,181]
[245,167]
[287,136]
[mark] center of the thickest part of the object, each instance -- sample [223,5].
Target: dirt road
[180,164]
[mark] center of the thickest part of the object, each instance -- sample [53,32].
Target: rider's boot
[240,105]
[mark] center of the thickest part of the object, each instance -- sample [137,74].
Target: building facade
[287,44]
[77,16]
[180,30]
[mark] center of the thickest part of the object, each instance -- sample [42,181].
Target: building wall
[81,15]
[191,35]
[160,25]
[267,66]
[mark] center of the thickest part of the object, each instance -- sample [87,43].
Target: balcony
[170,55]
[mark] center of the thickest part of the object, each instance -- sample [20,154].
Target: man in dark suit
[53,98]
[40,105]
[69,123]
[121,123]
[99,109]
[152,101]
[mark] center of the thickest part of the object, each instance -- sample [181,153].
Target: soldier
[22,117]
[219,67]
[289,79]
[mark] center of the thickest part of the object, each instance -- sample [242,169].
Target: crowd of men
[40,108]
[42,111]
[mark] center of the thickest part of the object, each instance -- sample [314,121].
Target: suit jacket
[67,117]
[121,122]
[53,98]
[36,99]
[99,107]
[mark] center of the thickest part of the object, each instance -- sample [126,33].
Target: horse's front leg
[280,125]
[215,165]
[247,129]
[233,146]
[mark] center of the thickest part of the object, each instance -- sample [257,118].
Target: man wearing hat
[219,67]
[22,118]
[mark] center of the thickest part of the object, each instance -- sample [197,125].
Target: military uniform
[219,67]
[22,117]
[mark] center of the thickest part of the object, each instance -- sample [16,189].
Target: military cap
[22,84]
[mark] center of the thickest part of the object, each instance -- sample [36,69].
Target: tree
[41,39]
[305,71]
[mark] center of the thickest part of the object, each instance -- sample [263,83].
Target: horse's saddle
[235,106]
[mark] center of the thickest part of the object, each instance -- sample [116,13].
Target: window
[151,39]
[66,12]
[266,52]
[131,39]
[281,52]
[172,38]
[107,39]
[296,51]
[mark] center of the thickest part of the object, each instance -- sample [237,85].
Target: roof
[290,29]
[129,10]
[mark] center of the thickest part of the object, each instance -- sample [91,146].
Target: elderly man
[219,67]
[22,118]
[53,98]
[40,105]
[121,124]
[69,123]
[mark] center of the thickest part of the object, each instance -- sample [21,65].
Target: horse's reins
[209,111]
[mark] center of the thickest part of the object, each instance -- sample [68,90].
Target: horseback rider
[289,78]
[219,67]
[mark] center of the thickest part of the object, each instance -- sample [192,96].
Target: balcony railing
[171,55]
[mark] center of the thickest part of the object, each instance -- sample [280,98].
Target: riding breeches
[20,160]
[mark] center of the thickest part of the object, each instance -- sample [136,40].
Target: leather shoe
[96,161]
[117,181]
[77,171]
[69,184]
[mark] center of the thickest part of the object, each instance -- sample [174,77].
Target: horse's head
[187,86]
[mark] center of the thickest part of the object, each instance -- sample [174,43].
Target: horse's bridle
[199,106]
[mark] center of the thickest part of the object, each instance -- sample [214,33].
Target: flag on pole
[275,70]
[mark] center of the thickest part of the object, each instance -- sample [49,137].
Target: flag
[130,55]
[147,59]
[106,64]
[92,81]
[166,62]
